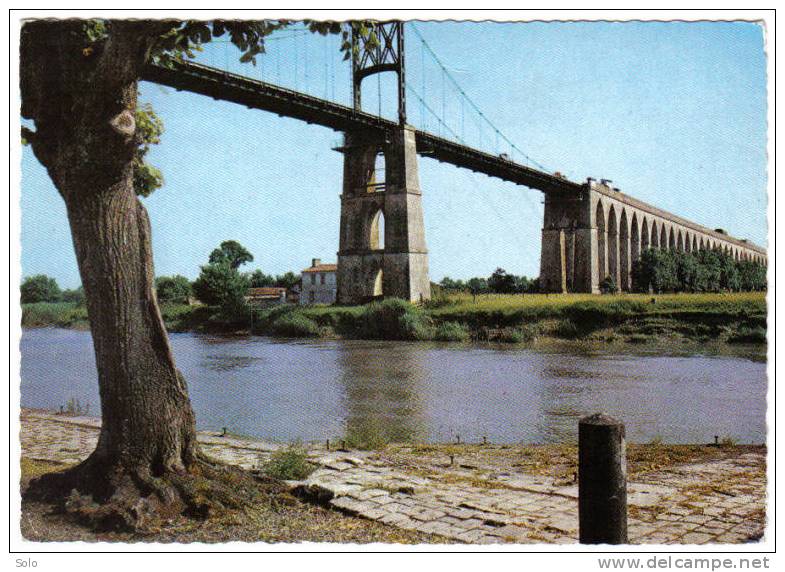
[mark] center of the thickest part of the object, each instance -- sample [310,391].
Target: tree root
[117,498]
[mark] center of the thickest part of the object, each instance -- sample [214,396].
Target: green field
[514,318]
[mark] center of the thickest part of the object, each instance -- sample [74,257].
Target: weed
[290,464]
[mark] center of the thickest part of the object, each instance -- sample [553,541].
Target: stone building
[318,283]
[266,296]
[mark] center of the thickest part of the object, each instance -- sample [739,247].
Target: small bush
[393,319]
[451,332]
[746,335]
[608,286]
[290,464]
[567,329]
[294,325]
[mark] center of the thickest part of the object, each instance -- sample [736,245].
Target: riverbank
[474,493]
[628,319]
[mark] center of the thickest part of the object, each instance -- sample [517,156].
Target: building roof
[266,291]
[322,268]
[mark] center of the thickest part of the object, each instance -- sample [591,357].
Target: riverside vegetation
[628,318]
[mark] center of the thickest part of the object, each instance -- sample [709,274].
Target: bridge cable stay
[484,119]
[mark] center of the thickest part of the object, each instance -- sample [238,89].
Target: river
[410,391]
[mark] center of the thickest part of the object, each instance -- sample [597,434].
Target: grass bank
[728,318]
[628,318]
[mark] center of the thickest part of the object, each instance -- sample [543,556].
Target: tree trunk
[147,459]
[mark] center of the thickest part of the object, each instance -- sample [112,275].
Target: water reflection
[382,392]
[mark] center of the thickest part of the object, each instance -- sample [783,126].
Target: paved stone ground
[720,501]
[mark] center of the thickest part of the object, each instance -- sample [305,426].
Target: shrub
[451,332]
[593,315]
[567,329]
[394,319]
[747,335]
[290,464]
[294,325]
[60,314]
[608,286]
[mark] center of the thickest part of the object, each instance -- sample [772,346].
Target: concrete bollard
[602,481]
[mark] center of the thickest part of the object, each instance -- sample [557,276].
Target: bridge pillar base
[370,265]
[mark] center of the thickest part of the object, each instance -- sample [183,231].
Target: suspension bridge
[590,230]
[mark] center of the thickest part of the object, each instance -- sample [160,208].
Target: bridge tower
[382,250]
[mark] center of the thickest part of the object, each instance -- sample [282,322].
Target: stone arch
[655,236]
[378,284]
[613,245]
[602,242]
[377,175]
[645,235]
[671,239]
[694,243]
[624,251]
[664,238]
[376,239]
[680,241]
[687,242]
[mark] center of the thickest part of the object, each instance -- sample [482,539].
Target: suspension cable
[474,106]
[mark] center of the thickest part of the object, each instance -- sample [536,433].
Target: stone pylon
[568,262]
[382,250]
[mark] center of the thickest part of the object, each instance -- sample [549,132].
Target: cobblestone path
[714,502]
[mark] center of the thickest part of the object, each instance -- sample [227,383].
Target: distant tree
[261,280]
[232,253]
[40,288]
[75,296]
[655,269]
[522,284]
[173,288]
[688,272]
[453,285]
[710,275]
[752,276]
[477,286]
[729,273]
[286,280]
[501,282]
[221,285]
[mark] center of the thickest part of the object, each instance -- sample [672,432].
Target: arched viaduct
[600,232]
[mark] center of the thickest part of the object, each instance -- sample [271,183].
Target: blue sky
[673,113]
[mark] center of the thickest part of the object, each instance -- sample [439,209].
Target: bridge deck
[255,94]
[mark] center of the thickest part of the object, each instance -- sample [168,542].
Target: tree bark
[82,100]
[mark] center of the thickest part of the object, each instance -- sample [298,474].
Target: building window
[312,297]
[313,278]
[322,278]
